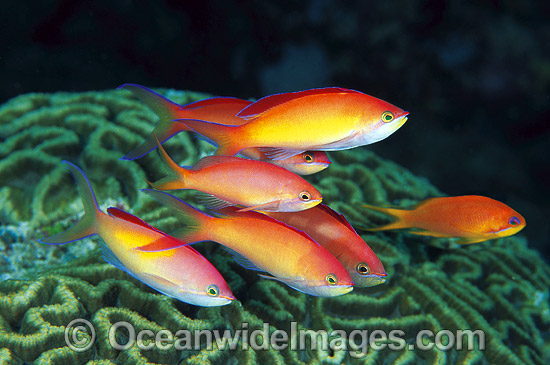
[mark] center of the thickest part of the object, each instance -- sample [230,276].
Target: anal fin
[279,153]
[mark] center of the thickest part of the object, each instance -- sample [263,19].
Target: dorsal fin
[118,213]
[216,101]
[336,215]
[215,160]
[233,212]
[271,101]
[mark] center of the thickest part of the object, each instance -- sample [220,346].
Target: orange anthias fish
[320,119]
[305,163]
[332,231]
[239,181]
[221,110]
[183,273]
[470,218]
[264,244]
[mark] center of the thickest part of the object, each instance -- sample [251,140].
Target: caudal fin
[196,222]
[398,214]
[175,175]
[226,137]
[86,226]
[165,109]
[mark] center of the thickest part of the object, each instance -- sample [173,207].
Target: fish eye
[387,117]
[362,268]
[514,221]
[305,196]
[331,279]
[308,157]
[213,290]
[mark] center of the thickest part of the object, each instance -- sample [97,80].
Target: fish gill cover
[501,288]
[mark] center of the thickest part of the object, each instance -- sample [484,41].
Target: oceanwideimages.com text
[80,335]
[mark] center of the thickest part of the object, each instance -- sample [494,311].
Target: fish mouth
[403,118]
[403,115]
[348,288]
[223,300]
[319,165]
[377,278]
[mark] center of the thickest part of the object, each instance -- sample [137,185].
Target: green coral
[500,287]
[93,130]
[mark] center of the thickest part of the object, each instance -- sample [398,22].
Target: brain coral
[501,287]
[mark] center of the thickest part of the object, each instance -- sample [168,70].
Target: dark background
[475,76]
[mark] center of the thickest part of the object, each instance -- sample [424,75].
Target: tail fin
[196,222]
[165,109]
[226,137]
[175,178]
[399,214]
[86,226]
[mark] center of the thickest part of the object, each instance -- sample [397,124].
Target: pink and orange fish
[470,218]
[221,110]
[183,273]
[284,125]
[239,181]
[332,231]
[264,244]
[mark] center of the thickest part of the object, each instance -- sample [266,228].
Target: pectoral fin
[243,261]
[293,283]
[279,153]
[212,202]
[268,207]
[288,282]
[148,278]
[336,145]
